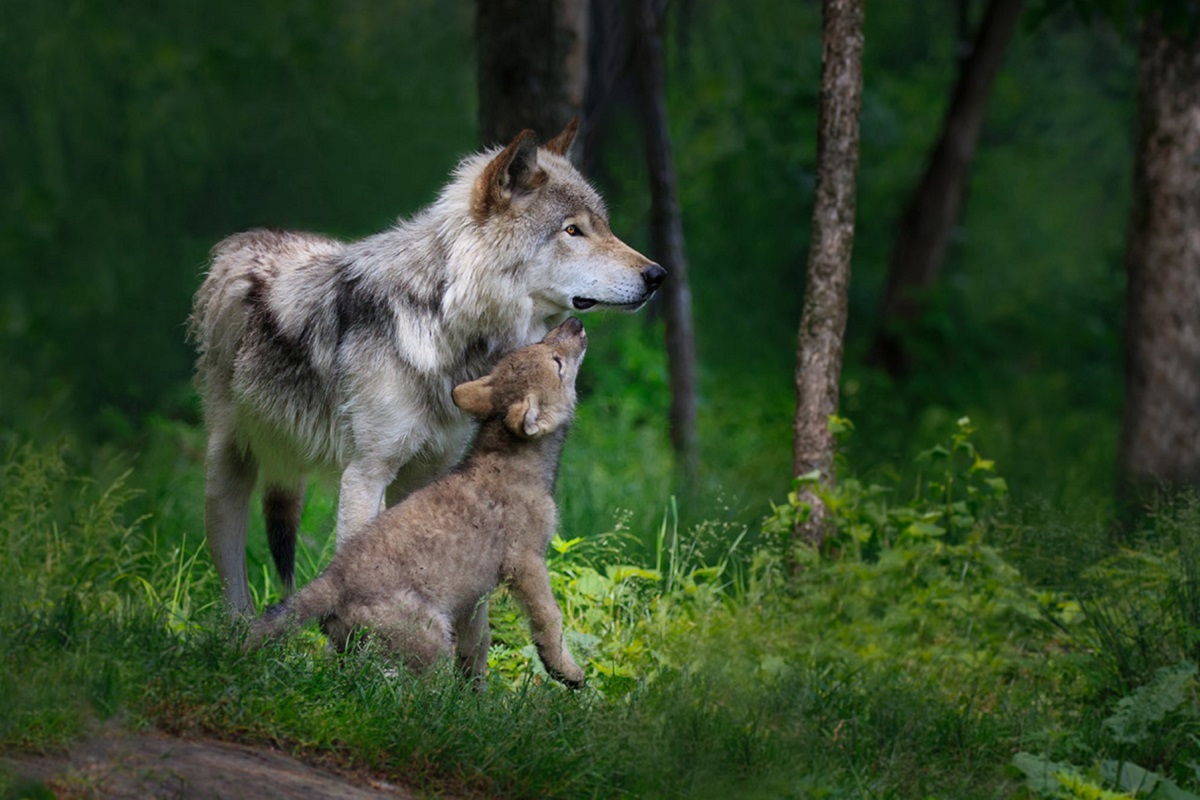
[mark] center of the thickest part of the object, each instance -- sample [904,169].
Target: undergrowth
[908,658]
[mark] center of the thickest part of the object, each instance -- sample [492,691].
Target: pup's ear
[474,397]
[561,144]
[522,418]
[511,173]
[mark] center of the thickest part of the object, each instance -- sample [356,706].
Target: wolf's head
[531,389]
[538,207]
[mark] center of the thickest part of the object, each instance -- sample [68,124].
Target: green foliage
[955,498]
[1163,713]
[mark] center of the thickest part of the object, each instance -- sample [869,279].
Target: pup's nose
[653,275]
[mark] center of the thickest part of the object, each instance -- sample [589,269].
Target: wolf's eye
[573,230]
[558,362]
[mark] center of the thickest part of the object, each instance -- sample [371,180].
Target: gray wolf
[419,576]
[315,352]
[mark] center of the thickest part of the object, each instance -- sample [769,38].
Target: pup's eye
[558,362]
[573,230]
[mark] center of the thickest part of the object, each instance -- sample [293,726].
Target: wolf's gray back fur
[419,576]
[314,351]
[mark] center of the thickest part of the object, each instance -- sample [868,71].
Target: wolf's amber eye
[573,230]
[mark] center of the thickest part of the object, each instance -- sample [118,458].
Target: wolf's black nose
[653,275]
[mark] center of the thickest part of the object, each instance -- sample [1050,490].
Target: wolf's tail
[317,600]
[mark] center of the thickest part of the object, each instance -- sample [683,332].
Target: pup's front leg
[360,498]
[531,586]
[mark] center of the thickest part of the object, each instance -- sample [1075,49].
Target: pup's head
[531,389]
[534,198]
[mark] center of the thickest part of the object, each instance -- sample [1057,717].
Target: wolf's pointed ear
[474,397]
[522,418]
[561,144]
[513,172]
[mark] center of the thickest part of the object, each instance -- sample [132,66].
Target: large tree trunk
[1160,438]
[935,206]
[532,62]
[667,237]
[823,318]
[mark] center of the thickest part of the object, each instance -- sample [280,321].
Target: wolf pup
[318,352]
[419,576]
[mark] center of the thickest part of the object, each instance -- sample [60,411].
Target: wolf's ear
[474,397]
[522,418]
[513,172]
[561,144]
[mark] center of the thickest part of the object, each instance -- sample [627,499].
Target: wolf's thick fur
[319,352]
[419,576]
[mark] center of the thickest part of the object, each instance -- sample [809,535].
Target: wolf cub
[420,575]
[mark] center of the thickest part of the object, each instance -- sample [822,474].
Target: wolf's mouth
[584,303]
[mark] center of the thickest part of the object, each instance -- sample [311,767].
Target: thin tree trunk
[1160,437]
[823,318]
[667,237]
[935,206]
[532,66]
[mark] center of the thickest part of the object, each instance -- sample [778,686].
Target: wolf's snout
[653,275]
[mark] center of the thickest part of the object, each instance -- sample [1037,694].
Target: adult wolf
[318,352]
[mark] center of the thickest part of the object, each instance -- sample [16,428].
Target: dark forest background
[136,136]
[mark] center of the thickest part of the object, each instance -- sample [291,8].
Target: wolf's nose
[653,275]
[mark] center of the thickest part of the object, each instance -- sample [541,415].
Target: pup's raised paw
[571,676]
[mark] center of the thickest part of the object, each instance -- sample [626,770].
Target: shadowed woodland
[983,579]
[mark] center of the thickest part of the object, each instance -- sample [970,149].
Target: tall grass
[914,665]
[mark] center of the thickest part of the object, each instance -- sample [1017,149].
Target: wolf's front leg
[531,585]
[360,498]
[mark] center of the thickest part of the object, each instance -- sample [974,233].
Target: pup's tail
[317,600]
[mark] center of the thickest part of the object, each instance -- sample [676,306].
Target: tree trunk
[935,206]
[823,318]
[532,62]
[1160,437]
[667,237]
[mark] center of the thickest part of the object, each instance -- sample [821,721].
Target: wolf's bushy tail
[317,600]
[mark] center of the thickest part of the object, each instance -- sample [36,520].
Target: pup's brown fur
[419,576]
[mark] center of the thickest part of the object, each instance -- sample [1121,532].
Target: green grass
[909,659]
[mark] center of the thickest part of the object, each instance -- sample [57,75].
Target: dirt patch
[121,764]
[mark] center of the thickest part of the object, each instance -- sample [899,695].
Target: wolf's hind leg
[230,473]
[473,638]
[281,511]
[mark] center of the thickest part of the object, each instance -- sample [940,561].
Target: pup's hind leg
[412,629]
[531,586]
[472,639]
[281,511]
[230,473]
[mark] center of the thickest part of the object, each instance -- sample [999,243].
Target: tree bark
[1160,437]
[667,237]
[823,318]
[935,206]
[532,62]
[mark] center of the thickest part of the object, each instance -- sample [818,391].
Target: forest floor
[117,763]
